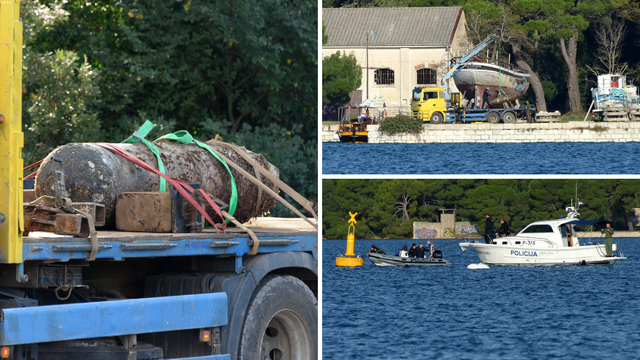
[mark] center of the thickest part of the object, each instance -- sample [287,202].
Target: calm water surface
[505,312]
[473,158]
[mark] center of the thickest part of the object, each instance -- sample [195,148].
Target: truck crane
[70,289]
[437,104]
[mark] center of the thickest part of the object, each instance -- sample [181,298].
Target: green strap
[137,137]
[183,137]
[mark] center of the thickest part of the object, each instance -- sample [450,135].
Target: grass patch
[572,116]
[400,124]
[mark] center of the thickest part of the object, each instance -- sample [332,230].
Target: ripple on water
[451,312]
[481,158]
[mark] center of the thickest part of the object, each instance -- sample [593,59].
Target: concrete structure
[446,228]
[575,131]
[407,47]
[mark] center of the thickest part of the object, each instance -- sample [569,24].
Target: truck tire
[281,321]
[493,117]
[509,117]
[437,118]
[75,350]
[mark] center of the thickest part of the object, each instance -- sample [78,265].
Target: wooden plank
[144,212]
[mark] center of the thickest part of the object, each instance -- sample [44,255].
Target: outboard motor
[437,254]
[403,251]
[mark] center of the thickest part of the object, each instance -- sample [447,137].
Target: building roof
[418,26]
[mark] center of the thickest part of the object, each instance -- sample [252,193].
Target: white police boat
[550,242]
[403,259]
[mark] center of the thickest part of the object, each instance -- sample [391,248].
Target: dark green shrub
[400,124]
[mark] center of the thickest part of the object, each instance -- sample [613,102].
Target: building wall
[404,61]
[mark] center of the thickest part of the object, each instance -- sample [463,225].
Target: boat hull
[495,254]
[510,85]
[358,137]
[390,260]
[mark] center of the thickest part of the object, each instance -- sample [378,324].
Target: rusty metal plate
[71,224]
[144,211]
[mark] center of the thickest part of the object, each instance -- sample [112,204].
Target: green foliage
[56,109]
[59,89]
[550,90]
[247,61]
[400,124]
[287,149]
[341,75]
[325,37]
[519,202]
[249,67]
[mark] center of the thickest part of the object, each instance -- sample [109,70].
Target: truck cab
[428,104]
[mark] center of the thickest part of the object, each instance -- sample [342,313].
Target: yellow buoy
[350,259]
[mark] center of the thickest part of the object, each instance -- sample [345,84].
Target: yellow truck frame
[11,136]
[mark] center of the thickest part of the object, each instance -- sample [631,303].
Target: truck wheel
[95,349]
[437,118]
[509,117]
[493,117]
[281,321]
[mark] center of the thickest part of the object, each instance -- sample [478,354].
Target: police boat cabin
[550,242]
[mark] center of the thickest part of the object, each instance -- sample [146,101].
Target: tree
[60,89]
[341,75]
[609,36]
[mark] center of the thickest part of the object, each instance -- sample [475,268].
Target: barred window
[384,77]
[427,76]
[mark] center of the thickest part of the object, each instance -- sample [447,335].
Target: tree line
[388,208]
[563,44]
[242,70]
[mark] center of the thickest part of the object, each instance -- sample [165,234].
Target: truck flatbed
[274,234]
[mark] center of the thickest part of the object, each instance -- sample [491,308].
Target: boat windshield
[540,228]
[416,94]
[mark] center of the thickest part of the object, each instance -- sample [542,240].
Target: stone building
[408,47]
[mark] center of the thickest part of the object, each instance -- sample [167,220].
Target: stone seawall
[575,131]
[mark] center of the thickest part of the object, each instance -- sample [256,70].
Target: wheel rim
[286,338]
[509,118]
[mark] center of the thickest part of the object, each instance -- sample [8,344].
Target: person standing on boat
[485,97]
[419,252]
[504,228]
[488,229]
[608,236]
[412,250]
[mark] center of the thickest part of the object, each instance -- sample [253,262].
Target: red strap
[31,176]
[181,186]
[33,165]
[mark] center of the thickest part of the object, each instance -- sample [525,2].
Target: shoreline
[574,131]
[618,234]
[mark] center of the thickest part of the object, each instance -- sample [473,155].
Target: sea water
[504,312]
[481,158]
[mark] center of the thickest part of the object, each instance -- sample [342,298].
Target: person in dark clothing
[375,250]
[412,250]
[527,111]
[488,230]
[504,228]
[608,242]
[419,251]
[485,97]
